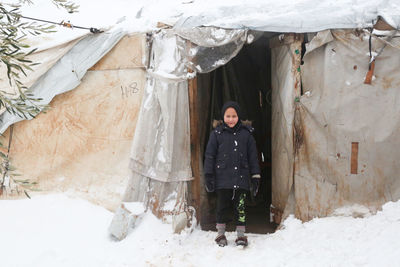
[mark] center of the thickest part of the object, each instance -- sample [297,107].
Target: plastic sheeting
[161,146]
[68,71]
[338,109]
[162,198]
[208,47]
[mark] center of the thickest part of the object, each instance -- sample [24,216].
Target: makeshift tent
[330,143]
[82,142]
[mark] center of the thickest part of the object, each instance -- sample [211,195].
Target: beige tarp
[338,109]
[285,60]
[82,143]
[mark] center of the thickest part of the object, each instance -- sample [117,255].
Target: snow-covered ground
[55,230]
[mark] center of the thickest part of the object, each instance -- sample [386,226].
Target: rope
[64,24]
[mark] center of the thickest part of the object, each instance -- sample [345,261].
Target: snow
[56,230]
[269,15]
[135,208]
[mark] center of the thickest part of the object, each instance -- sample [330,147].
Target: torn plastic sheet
[166,61]
[162,198]
[161,145]
[167,201]
[206,48]
[67,73]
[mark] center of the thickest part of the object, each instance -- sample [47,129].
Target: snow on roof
[264,15]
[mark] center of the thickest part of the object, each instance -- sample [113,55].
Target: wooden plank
[354,158]
[195,146]
[370,73]
[285,39]
[382,25]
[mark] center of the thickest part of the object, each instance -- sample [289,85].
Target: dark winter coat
[231,157]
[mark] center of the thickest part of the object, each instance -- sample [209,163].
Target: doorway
[246,79]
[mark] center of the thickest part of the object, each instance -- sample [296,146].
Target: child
[230,160]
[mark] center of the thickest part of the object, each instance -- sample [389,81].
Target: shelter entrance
[245,79]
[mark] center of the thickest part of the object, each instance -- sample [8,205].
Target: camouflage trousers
[228,201]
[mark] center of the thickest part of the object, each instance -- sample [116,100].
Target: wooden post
[354,158]
[195,145]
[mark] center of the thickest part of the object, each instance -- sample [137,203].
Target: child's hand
[210,183]
[255,180]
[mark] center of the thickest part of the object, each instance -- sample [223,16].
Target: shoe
[241,241]
[221,241]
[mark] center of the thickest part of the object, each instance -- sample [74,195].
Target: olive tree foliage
[14,60]
[14,54]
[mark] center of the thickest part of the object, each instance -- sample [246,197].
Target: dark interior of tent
[245,79]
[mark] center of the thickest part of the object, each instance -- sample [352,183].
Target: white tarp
[263,15]
[338,109]
[68,71]
[300,16]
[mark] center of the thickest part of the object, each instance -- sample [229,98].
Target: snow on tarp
[300,16]
[338,109]
[263,15]
[67,72]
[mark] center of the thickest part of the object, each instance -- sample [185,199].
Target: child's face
[231,117]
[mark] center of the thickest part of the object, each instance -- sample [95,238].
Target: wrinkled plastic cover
[162,198]
[161,145]
[67,72]
[204,49]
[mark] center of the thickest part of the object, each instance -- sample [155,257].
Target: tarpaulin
[299,16]
[350,130]
[285,60]
[67,72]
[161,146]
